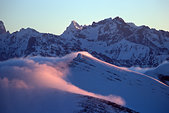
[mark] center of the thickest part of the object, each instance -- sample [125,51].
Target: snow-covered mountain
[141,92]
[161,72]
[121,43]
[77,82]
[111,40]
[45,72]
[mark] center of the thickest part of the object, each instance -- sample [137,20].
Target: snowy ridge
[104,78]
[161,69]
[21,77]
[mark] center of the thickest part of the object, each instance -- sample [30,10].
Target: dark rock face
[2,28]
[94,105]
[111,40]
[31,44]
[163,78]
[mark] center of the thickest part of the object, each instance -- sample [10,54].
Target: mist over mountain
[86,69]
[77,82]
[111,40]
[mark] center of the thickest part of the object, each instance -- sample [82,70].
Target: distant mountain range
[111,40]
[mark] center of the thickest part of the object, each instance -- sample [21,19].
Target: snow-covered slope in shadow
[141,92]
[161,72]
[54,101]
[37,85]
[82,74]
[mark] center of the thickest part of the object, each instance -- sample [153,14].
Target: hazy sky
[53,16]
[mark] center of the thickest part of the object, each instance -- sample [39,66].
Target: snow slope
[37,84]
[57,84]
[161,72]
[141,92]
[54,101]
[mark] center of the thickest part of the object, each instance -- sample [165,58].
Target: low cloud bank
[139,69]
[144,70]
[42,72]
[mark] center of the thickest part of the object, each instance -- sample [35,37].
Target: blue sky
[53,16]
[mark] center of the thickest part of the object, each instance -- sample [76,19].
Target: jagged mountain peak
[107,19]
[27,31]
[2,27]
[117,20]
[74,26]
